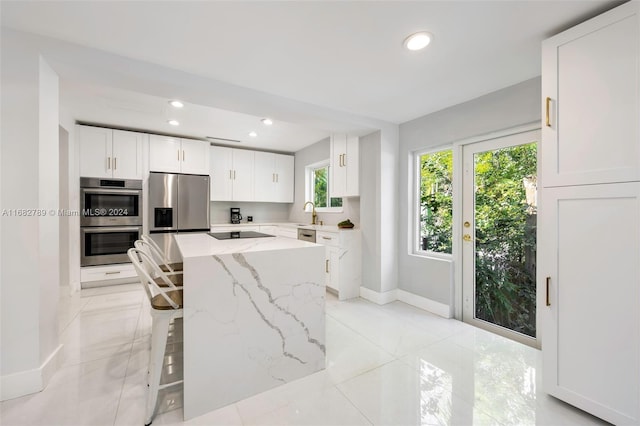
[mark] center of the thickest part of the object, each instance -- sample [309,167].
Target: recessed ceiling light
[176,104]
[174,122]
[418,41]
[253,134]
[267,121]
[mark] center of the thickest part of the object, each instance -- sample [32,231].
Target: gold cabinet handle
[112,272]
[234,175]
[326,265]
[548,303]
[178,155]
[108,163]
[547,107]
[326,238]
[277,178]
[230,174]
[115,163]
[183,156]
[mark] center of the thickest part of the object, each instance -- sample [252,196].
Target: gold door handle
[466,237]
[547,107]
[467,224]
[548,302]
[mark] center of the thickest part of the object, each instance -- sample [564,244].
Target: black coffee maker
[236,217]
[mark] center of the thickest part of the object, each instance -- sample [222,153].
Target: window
[435,201]
[317,184]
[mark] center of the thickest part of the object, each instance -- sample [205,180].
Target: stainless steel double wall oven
[110,219]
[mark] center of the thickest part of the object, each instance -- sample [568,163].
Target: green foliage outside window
[505,229]
[321,189]
[436,176]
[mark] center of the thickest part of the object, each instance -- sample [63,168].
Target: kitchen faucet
[313,211]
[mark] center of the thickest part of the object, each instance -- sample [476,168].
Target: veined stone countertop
[201,244]
[253,316]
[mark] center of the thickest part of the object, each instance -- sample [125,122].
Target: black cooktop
[238,234]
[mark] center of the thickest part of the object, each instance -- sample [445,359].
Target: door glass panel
[505,237]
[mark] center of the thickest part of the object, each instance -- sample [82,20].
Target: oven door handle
[114,191]
[103,229]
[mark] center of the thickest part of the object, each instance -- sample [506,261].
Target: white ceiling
[344,56]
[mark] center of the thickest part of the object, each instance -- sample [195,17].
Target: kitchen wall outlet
[249,218]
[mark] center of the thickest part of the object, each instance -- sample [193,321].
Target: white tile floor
[386,365]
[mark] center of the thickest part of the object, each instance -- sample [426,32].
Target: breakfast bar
[253,316]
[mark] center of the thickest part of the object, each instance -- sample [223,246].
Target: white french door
[499,235]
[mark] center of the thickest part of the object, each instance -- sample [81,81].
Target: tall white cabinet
[589,216]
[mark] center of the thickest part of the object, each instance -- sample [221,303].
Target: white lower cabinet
[589,297]
[288,232]
[97,276]
[342,261]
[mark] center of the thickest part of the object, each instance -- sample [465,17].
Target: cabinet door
[337,165]
[590,250]
[95,151]
[590,81]
[165,154]
[127,154]
[243,175]
[220,173]
[195,157]
[352,164]
[264,176]
[284,185]
[333,269]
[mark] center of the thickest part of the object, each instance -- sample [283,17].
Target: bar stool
[166,266]
[166,306]
[176,277]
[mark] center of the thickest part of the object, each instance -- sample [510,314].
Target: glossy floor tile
[386,365]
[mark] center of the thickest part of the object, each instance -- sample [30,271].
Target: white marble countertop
[201,244]
[327,228]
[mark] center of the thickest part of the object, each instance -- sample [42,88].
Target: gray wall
[504,109]
[261,212]
[319,151]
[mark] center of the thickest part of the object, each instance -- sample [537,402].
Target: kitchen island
[253,316]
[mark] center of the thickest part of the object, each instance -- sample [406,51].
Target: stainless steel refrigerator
[177,203]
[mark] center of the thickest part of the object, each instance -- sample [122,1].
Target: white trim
[420,302]
[30,381]
[425,304]
[378,298]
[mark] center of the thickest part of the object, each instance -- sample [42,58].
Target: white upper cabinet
[231,171]
[164,154]
[177,155]
[195,157]
[221,173]
[108,153]
[344,166]
[591,101]
[127,154]
[273,177]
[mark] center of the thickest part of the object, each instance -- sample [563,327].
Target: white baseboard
[378,298]
[425,304]
[409,298]
[30,381]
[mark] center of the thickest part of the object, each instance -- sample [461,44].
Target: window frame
[416,243]
[309,187]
